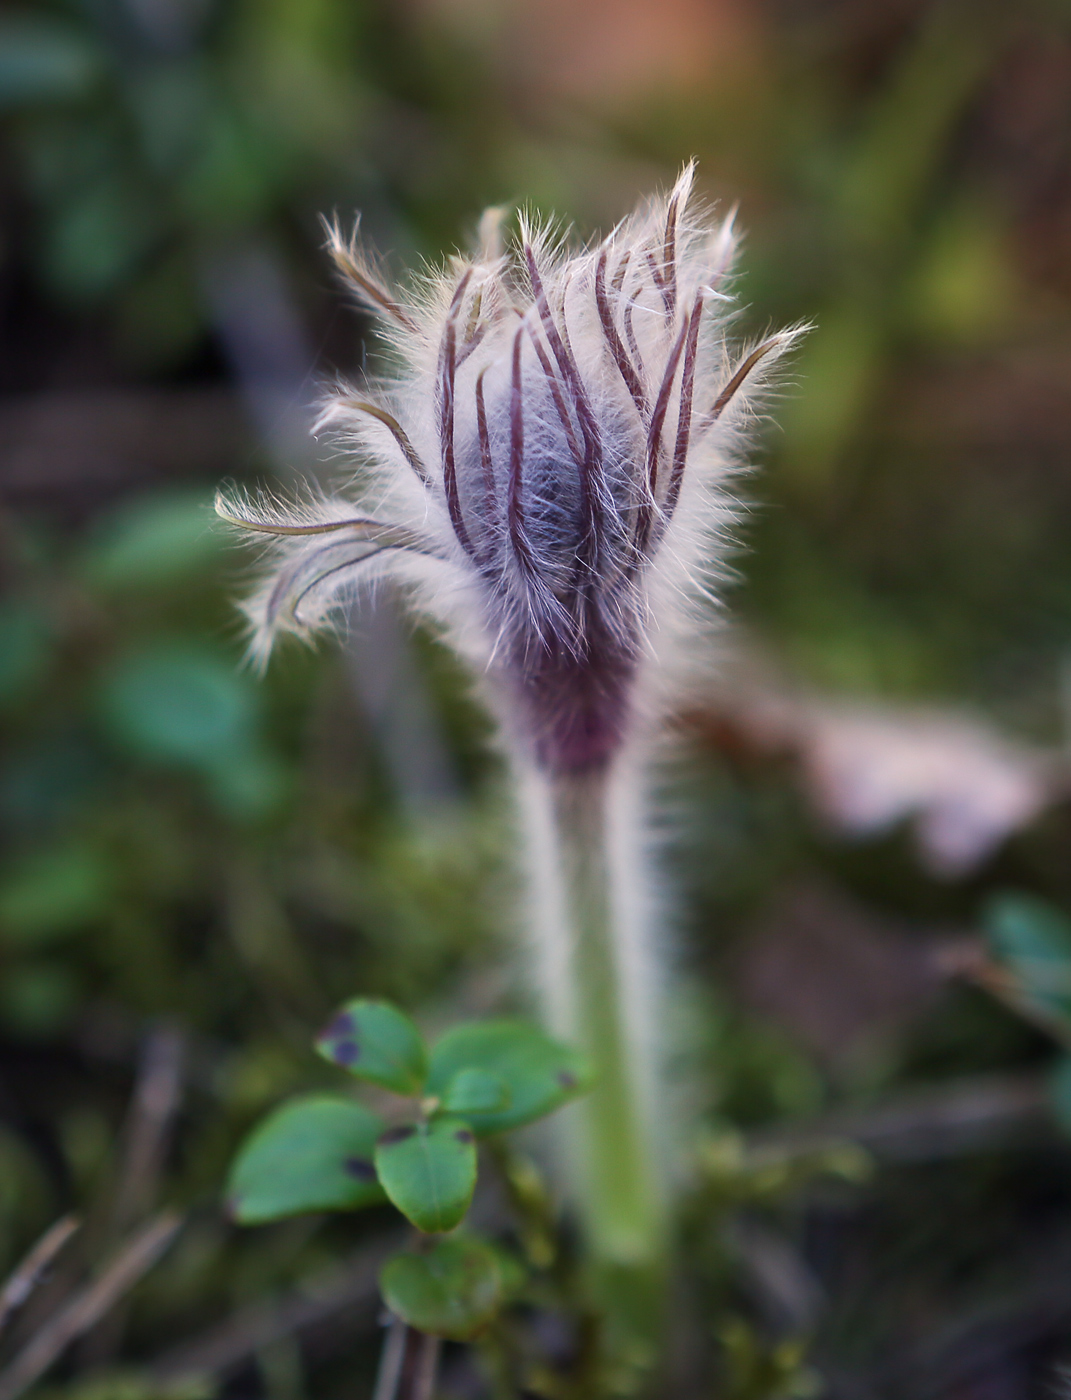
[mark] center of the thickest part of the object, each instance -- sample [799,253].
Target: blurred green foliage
[188,844]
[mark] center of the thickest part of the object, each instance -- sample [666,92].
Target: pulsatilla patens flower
[545,467]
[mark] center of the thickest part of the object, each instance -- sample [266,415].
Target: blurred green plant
[157,142]
[925,552]
[318,1153]
[1030,972]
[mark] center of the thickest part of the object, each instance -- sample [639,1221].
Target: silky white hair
[546,470]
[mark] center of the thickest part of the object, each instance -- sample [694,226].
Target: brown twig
[928,1124]
[391,1360]
[259,1324]
[27,1275]
[426,1367]
[155,1101]
[134,1258]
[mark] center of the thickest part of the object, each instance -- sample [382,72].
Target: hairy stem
[589,914]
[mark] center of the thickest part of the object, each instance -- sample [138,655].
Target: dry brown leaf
[867,767]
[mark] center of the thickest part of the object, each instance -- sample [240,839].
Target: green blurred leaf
[97,237]
[429,1171]
[178,704]
[1060,1092]
[311,1154]
[540,1073]
[37,999]
[46,780]
[248,785]
[54,892]
[152,542]
[377,1042]
[25,648]
[1033,940]
[476,1091]
[1029,933]
[452,1291]
[44,60]
[963,285]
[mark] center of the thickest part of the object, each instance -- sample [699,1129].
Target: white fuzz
[546,470]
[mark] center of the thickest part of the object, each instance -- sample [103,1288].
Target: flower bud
[546,468]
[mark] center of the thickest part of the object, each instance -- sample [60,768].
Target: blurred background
[868,810]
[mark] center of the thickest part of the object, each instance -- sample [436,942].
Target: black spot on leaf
[360,1167]
[399,1134]
[339,1028]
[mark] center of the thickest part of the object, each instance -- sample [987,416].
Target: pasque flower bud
[545,467]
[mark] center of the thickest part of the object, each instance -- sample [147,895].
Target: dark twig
[426,1368]
[28,1274]
[134,1258]
[928,1124]
[256,1326]
[391,1360]
[144,1139]
[156,1099]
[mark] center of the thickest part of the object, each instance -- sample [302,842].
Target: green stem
[587,871]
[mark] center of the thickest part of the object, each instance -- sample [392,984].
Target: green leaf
[154,541]
[476,1091]
[377,1042]
[311,1154]
[429,1171]
[1033,940]
[452,1291]
[179,704]
[540,1073]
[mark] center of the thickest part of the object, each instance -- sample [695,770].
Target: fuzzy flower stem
[584,866]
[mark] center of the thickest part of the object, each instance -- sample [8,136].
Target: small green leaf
[1033,940]
[452,1291]
[377,1042]
[540,1073]
[429,1171]
[475,1091]
[311,1154]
